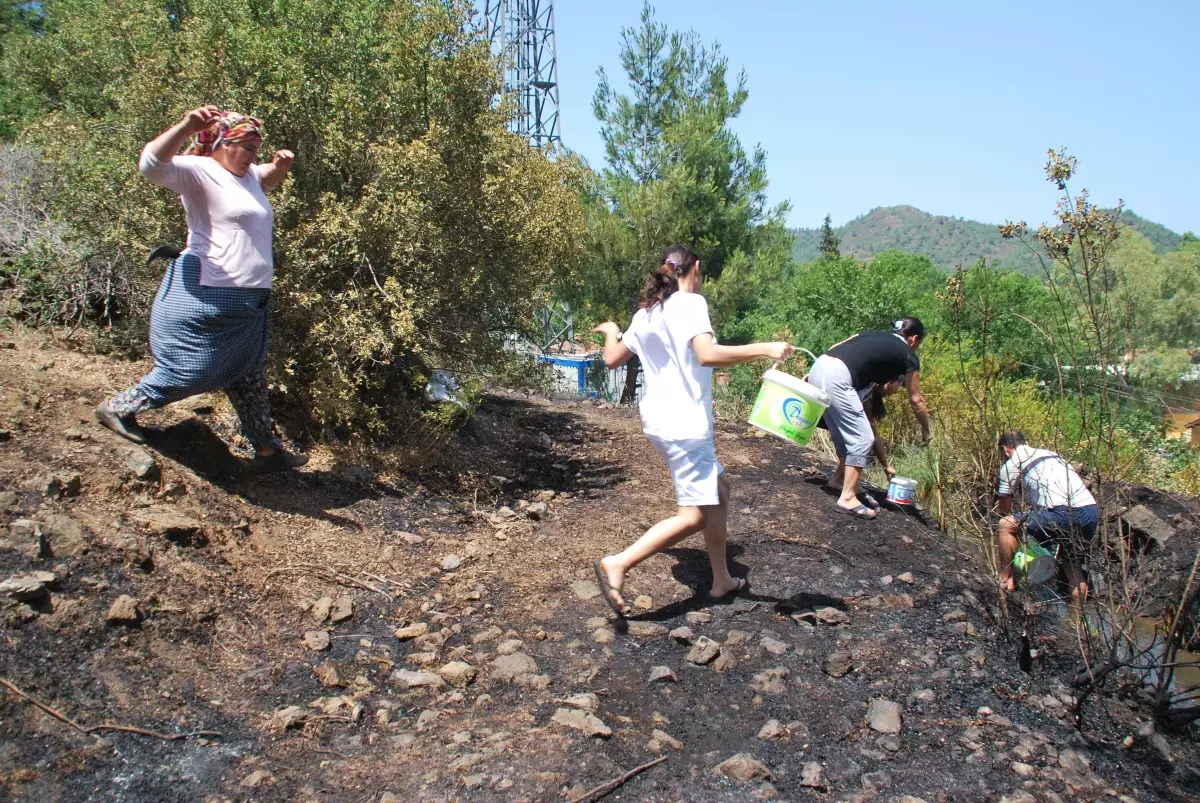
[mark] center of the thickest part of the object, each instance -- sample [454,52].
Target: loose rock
[696,618]
[603,635]
[744,767]
[641,629]
[774,729]
[774,646]
[1145,523]
[140,463]
[585,589]
[683,635]
[584,702]
[317,640]
[771,681]
[320,609]
[704,651]
[662,674]
[661,739]
[884,716]
[589,723]
[458,674]
[412,631]
[814,776]
[28,587]
[832,617]
[416,680]
[451,562]
[537,511]
[643,602]
[124,611]
[343,609]
[906,578]
[838,664]
[327,675]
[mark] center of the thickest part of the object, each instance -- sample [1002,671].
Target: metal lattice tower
[522,35]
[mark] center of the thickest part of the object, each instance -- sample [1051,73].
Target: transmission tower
[522,35]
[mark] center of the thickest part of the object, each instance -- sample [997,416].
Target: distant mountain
[947,240]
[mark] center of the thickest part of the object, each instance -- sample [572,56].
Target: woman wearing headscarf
[208,324]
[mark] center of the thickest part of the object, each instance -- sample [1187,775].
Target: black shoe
[278,460]
[124,425]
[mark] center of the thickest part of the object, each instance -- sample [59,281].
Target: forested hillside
[947,240]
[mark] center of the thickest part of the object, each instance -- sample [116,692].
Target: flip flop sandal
[861,512]
[869,501]
[743,585]
[607,590]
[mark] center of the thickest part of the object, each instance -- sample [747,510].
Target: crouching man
[1059,510]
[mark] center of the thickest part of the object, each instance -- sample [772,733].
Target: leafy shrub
[415,232]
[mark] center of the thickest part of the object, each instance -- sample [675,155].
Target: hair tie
[897,325]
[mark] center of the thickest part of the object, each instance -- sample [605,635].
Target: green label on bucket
[779,411]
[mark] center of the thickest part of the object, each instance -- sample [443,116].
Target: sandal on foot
[607,590]
[743,585]
[124,425]
[861,512]
[869,501]
[278,460]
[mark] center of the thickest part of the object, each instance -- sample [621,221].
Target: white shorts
[694,468]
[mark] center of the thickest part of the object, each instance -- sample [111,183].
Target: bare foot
[735,585]
[1006,581]
[615,576]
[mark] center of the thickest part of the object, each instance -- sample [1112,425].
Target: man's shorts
[1071,529]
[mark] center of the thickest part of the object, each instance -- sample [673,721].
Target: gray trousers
[848,424]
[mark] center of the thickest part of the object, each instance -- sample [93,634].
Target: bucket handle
[775,365]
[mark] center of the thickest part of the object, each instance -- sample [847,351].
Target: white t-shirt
[1046,477]
[677,404]
[229,218]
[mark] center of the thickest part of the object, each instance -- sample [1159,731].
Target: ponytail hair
[906,327]
[675,263]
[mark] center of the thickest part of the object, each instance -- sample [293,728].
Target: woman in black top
[869,358]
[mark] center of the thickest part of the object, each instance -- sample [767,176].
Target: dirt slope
[487,698]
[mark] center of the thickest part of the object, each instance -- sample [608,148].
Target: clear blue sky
[947,106]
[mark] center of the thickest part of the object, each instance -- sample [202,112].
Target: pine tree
[830,242]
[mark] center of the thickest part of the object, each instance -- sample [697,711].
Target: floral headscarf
[229,127]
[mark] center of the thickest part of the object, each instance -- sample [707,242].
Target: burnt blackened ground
[226,607]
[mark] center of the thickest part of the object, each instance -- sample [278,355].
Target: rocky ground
[173,632]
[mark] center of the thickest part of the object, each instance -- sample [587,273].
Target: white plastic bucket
[902,491]
[788,407]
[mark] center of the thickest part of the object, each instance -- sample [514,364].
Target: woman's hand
[608,328]
[890,470]
[200,118]
[283,160]
[778,351]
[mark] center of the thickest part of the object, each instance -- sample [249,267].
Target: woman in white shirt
[673,337]
[208,325]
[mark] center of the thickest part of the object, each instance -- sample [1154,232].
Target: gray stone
[317,640]
[26,536]
[838,664]
[168,522]
[774,646]
[641,629]
[602,635]
[1023,769]
[320,609]
[585,721]
[832,617]
[744,767]
[451,562]
[683,635]
[662,674]
[875,781]
[770,681]
[584,702]
[140,463]
[290,717]
[704,651]
[124,611]
[416,680]
[906,578]
[585,589]
[697,618]
[66,537]
[661,739]
[884,716]
[814,776]
[508,668]
[1144,522]
[537,511]
[415,630]
[9,500]
[28,587]
[510,646]
[774,729]
[736,637]
[458,674]
[343,609]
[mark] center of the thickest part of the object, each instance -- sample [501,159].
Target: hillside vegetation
[948,240]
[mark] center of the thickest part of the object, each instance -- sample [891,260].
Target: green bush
[414,232]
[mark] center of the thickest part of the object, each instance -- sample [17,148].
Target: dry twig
[609,786]
[94,729]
